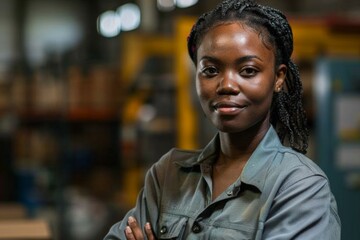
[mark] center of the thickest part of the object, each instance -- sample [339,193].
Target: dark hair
[287,112]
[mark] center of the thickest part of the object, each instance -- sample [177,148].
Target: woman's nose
[228,85]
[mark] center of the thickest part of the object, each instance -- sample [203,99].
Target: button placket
[229,193]
[163,230]
[196,228]
[233,191]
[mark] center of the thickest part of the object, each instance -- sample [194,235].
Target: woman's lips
[228,107]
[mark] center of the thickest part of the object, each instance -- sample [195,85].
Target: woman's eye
[209,71]
[248,72]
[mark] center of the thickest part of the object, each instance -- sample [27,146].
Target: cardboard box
[25,229]
[10,211]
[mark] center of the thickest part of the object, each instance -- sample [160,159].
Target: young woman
[245,184]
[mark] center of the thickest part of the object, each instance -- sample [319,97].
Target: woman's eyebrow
[209,58]
[239,60]
[248,58]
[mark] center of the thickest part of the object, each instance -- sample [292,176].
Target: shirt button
[229,193]
[196,228]
[163,229]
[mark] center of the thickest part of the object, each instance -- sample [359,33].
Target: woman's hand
[134,232]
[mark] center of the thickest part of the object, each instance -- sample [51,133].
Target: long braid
[287,112]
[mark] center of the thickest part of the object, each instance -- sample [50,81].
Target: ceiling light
[129,16]
[166,5]
[109,24]
[185,3]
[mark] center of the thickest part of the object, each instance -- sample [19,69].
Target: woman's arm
[146,209]
[305,209]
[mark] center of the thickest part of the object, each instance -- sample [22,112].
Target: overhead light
[185,3]
[166,5]
[129,16]
[108,24]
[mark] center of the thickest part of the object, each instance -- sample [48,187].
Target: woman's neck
[240,145]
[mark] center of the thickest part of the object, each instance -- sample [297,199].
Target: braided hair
[287,112]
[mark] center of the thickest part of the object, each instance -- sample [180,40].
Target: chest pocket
[232,234]
[236,231]
[171,226]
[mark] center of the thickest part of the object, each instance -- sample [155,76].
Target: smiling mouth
[228,108]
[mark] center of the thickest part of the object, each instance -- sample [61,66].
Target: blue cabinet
[337,94]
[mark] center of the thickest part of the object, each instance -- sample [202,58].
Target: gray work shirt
[281,194]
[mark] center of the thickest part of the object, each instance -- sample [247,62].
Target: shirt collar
[206,155]
[255,170]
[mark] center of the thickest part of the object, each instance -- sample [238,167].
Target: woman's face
[236,77]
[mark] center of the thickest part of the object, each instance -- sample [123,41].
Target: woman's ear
[280,77]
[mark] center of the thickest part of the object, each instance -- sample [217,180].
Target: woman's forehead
[236,32]
[231,41]
[257,28]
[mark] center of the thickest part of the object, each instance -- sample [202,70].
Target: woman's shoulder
[174,165]
[292,159]
[291,166]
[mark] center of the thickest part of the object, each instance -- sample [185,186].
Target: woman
[245,184]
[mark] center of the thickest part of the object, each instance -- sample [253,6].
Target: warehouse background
[88,104]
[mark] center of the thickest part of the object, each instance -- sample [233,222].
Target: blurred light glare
[129,16]
[166,5]
[147,113]
[109,24]
[322,84]
[185,3]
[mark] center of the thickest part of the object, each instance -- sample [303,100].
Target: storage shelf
[81,114]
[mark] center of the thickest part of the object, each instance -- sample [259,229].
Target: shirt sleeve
[145,210]
[305,209]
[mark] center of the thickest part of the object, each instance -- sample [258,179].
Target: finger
[135,228]
[149,232]
[129,234]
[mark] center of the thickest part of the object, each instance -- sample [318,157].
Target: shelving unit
[65,135]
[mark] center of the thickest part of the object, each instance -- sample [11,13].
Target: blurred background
[92,92]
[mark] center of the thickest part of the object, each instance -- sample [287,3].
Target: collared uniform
[281,194]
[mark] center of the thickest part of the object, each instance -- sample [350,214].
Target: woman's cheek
[258,93]
[203,89]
